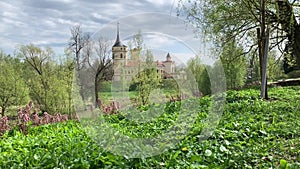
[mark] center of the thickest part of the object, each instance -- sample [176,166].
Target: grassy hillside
[251,134]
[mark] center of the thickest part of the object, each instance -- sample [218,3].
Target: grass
[252,133]
[107,97]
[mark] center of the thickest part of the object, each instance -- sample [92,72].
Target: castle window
[121,55]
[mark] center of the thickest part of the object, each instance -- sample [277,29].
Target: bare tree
[76,44]
[97,54]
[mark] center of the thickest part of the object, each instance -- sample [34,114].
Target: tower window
[121,55]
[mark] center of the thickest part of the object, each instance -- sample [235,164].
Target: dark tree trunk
[290,25]
[96,92]
[296,45]
[3,111]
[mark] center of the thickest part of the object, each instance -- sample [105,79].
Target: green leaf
[196,158]
[223,149]
[36,157]
[227,142]
[283,164]
[208,153]
[176,155]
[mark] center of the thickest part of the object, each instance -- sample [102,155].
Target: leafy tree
[204,82]
[200,73]
[13,90]
[148,79]
[274,68]
[48,81]
[65,69]
[239,20]
[234,67]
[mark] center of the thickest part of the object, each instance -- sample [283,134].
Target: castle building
[125,68]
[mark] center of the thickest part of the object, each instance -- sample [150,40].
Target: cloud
[48,22]
[161,2]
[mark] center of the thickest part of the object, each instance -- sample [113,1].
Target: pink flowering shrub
[25,116]
[111,108]
[29,116]
[115,106]
[4,126]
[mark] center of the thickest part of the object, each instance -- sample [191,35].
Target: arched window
[121,55]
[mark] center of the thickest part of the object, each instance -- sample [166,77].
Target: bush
[294,74]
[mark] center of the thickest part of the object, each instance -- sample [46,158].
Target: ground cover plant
[252,133]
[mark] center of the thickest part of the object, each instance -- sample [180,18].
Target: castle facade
[125,68]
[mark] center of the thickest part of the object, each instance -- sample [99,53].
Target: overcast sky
[48,22]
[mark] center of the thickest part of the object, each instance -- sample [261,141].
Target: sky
[47,23]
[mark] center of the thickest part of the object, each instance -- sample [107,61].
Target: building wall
[124,67]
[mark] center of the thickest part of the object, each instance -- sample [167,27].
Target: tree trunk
[96,92]
[296,45]
[3,111]
[262,46]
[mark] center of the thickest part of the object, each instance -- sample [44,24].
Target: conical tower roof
[118,43]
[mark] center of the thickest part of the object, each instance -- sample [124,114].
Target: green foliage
[294,74]
[170,84]
[274,70]
[225,21]
[147,80]
[234,65]
[204,82]
[13,90]
[252,133]
[200,73]
[50,82]
[50,146]
[105,86]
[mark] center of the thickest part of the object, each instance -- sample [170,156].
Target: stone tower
[170,65]
[119,55]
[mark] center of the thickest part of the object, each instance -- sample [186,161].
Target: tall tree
[46,79]
[148,79]
[76,43]
[97,54]
[13,90]
[239,20]
[200,72]
[234,67]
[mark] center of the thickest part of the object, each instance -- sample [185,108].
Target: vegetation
[227,21]
[251,134]
[13,89]
[253,27]
[147,80]
[49,81]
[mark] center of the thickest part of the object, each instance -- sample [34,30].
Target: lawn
[252,133]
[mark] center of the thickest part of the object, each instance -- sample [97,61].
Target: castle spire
[118,32]
[118,42]
[168,57]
